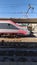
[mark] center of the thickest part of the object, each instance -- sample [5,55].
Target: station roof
[25,20]
[19,20]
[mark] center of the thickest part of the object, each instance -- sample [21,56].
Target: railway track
[21,51]
[16,54]
[18,49]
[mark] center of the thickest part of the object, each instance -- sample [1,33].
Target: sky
[17,9]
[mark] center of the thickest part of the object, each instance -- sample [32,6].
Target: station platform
[26,39]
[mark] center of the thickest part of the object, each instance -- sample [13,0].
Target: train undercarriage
[13,35]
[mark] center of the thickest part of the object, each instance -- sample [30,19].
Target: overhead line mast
[29,7]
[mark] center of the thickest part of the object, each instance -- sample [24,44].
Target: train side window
[12,26]
[7,26]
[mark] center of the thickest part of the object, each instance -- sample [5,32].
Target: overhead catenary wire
[18,12]
[16,5]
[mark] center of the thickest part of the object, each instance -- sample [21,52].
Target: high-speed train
[8,27]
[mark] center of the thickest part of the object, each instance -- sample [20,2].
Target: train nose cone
[26,32]
[23,32]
